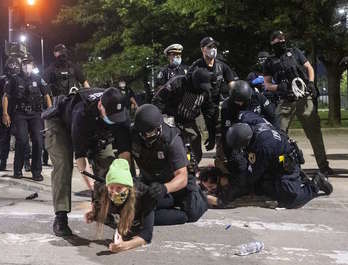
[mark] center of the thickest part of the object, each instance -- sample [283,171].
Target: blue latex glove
[258,81]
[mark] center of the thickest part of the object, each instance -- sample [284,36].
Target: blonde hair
[126,215]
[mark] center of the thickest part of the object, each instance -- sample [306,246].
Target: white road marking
[23,239]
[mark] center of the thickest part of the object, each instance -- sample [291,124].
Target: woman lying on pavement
[118,205]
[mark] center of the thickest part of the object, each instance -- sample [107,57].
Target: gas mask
[27,68]
[176,61]
[151,137]
[119,198]
[279,48]
[211,53]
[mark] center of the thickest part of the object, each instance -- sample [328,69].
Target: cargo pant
[59,146]
[307,113]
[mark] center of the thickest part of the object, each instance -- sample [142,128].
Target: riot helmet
[27,65]
[238,136]
[148,122]
[13,66]
[240,92]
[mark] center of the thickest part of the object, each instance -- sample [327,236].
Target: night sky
[52,33]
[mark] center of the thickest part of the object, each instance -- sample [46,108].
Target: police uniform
[158,163]
[169,71]
[5,135]
[27,93]
[180,100]
[77,128]
[284,69]
[61,76]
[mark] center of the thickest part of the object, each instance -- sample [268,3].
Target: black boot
[27,167]
[60,225]
[320,182]
[3,163]
[38,177]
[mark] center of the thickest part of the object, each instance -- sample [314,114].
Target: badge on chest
[252,158]
[160,155]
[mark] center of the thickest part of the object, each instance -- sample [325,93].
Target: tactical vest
[154,162]
[27,93]
[65,79]
[286,68]
[219,74]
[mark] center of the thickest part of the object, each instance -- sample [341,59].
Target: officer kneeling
[161,157]
[275,165]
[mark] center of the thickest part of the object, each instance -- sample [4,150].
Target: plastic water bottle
[249,248]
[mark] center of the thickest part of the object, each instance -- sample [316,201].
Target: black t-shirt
[86,126]
[270,70]
[159,162]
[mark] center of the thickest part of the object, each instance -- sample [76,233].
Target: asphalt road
[315,234]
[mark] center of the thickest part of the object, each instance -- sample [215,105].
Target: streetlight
[341,11]
[31,2]
[22,38]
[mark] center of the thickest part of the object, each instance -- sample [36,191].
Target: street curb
[27,185]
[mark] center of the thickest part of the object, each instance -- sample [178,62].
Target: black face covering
[62,58]
[279,48]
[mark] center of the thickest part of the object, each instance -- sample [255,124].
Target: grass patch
[323,120]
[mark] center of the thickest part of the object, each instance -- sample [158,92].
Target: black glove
[157,190]
[312,89]
[209,143]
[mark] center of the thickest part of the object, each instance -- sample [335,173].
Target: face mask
[177,61]
[279,48]
[62,57]
[122,85]
[27,68]
[211,53]
[107,120]
[119,198]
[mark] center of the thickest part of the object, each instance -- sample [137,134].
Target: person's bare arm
[125,155]
[83,165]
[178,182]
[86,84]
[310,71]
[268,83]
[6,120]
[48,101]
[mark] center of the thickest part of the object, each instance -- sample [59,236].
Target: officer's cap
[59,48]
[206,41]
[176,48]
[277,34]
[114,104]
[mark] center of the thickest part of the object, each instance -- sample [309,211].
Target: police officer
[184,97]
[275,165]
[26,90]
[62,74]
[175,67]
[242,97]
[222,74]
[128,93]
[160,155]
[12,68]
[297,92]
[87,124]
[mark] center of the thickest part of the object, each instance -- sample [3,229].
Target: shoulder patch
[228,123]
[252,158]
[160,75]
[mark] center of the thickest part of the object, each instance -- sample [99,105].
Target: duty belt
[27,108]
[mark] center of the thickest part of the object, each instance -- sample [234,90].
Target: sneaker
[320,182]
[27,167]
[18,175]
[38,177]
[60,225]
[327,171]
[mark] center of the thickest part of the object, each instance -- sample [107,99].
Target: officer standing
[87,124]
[298,95]
[175,66]
[275,165]
[222,73]
[12,68]
[160,155]
[184,98]
[128,93]
[26,90]
[242,97]
[62,74]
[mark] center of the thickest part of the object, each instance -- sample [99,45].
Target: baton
[97,178]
